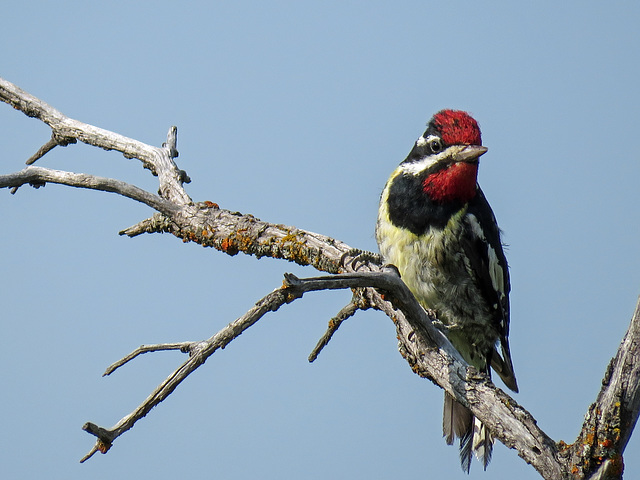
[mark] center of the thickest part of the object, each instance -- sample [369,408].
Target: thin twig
[346,312]
[91,452]
[42,151]
[53,142]
[183,346]
[38,176]
[269,303]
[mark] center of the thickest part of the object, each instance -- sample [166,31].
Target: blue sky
[297,112]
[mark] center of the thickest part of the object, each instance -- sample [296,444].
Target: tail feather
[482,442]
[456,419]
[465,451]
[475,438]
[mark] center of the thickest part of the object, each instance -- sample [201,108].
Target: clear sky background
[297,112]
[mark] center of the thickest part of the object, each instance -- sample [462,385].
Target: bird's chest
[431,264]
[438,273]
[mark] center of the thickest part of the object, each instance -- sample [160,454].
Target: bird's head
[445,157]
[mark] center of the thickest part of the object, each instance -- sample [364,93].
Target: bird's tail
[458,421]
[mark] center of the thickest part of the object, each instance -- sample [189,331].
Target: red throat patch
[457,128]
[455,183]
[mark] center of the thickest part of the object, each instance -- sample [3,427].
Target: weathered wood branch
[199,352]
[38,177]
[609,421]
[65,131]
[358,302]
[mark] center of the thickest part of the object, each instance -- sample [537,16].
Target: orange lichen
[290,297]
[211,204]
[102,446]
[189,237]
[588,440]
[244,242]
[228,246]
[294,249]
[606,443]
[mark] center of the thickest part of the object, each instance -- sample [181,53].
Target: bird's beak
[468,153]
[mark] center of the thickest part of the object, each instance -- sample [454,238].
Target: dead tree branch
[597,453]
[39,177]
[610,420]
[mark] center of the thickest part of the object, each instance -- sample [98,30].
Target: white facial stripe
[423,163]
[421,142]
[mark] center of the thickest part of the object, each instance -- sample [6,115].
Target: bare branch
[426,348]
[53,142]
[432,356]
[198,354]
[158,160]
[205,223]
[182,346]
[292,289]
[232,232]
[620,394]
[345,312]
[609,421]
[39,176]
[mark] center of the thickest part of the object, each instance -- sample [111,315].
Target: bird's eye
[435,145]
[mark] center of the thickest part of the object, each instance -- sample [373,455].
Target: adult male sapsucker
[436,226]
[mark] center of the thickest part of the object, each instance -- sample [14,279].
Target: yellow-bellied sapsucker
[436,226]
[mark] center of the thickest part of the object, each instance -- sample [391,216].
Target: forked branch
[609,421]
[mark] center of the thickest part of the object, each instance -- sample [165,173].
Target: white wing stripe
[495,270]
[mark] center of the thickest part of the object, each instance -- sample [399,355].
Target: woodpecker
[436,226]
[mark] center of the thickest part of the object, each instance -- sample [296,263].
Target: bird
[437,228]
